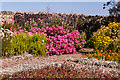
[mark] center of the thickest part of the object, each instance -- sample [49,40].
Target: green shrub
[6,45]
[5,41]
[56,21]
[7,26]
[37,44]
[33,44]
[10,26]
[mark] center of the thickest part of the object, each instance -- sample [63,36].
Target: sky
[87,7]
[54,0]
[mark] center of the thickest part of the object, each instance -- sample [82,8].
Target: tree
[114,8]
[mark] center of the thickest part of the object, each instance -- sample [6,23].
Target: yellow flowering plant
[107,38]
[102,42]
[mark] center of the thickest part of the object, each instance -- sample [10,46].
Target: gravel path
[17,63]
[12,62]
[33,60]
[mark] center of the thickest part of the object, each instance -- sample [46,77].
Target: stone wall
[74,20]
[23,17]
[70,19]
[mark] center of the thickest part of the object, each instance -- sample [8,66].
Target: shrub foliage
[107,38]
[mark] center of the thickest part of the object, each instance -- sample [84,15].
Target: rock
[19,57]
[70,59]
[93,61]
[84,50]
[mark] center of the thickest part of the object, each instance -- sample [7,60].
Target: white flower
[42,40]
[59,65]
[2,29]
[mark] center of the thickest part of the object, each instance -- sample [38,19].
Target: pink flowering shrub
[65,44]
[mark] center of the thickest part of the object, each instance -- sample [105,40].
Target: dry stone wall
[70,19]
[22,17]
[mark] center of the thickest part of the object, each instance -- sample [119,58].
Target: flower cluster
[65,44]
[102,42]
[106,55]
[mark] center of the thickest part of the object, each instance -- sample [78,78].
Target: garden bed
[50,44]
